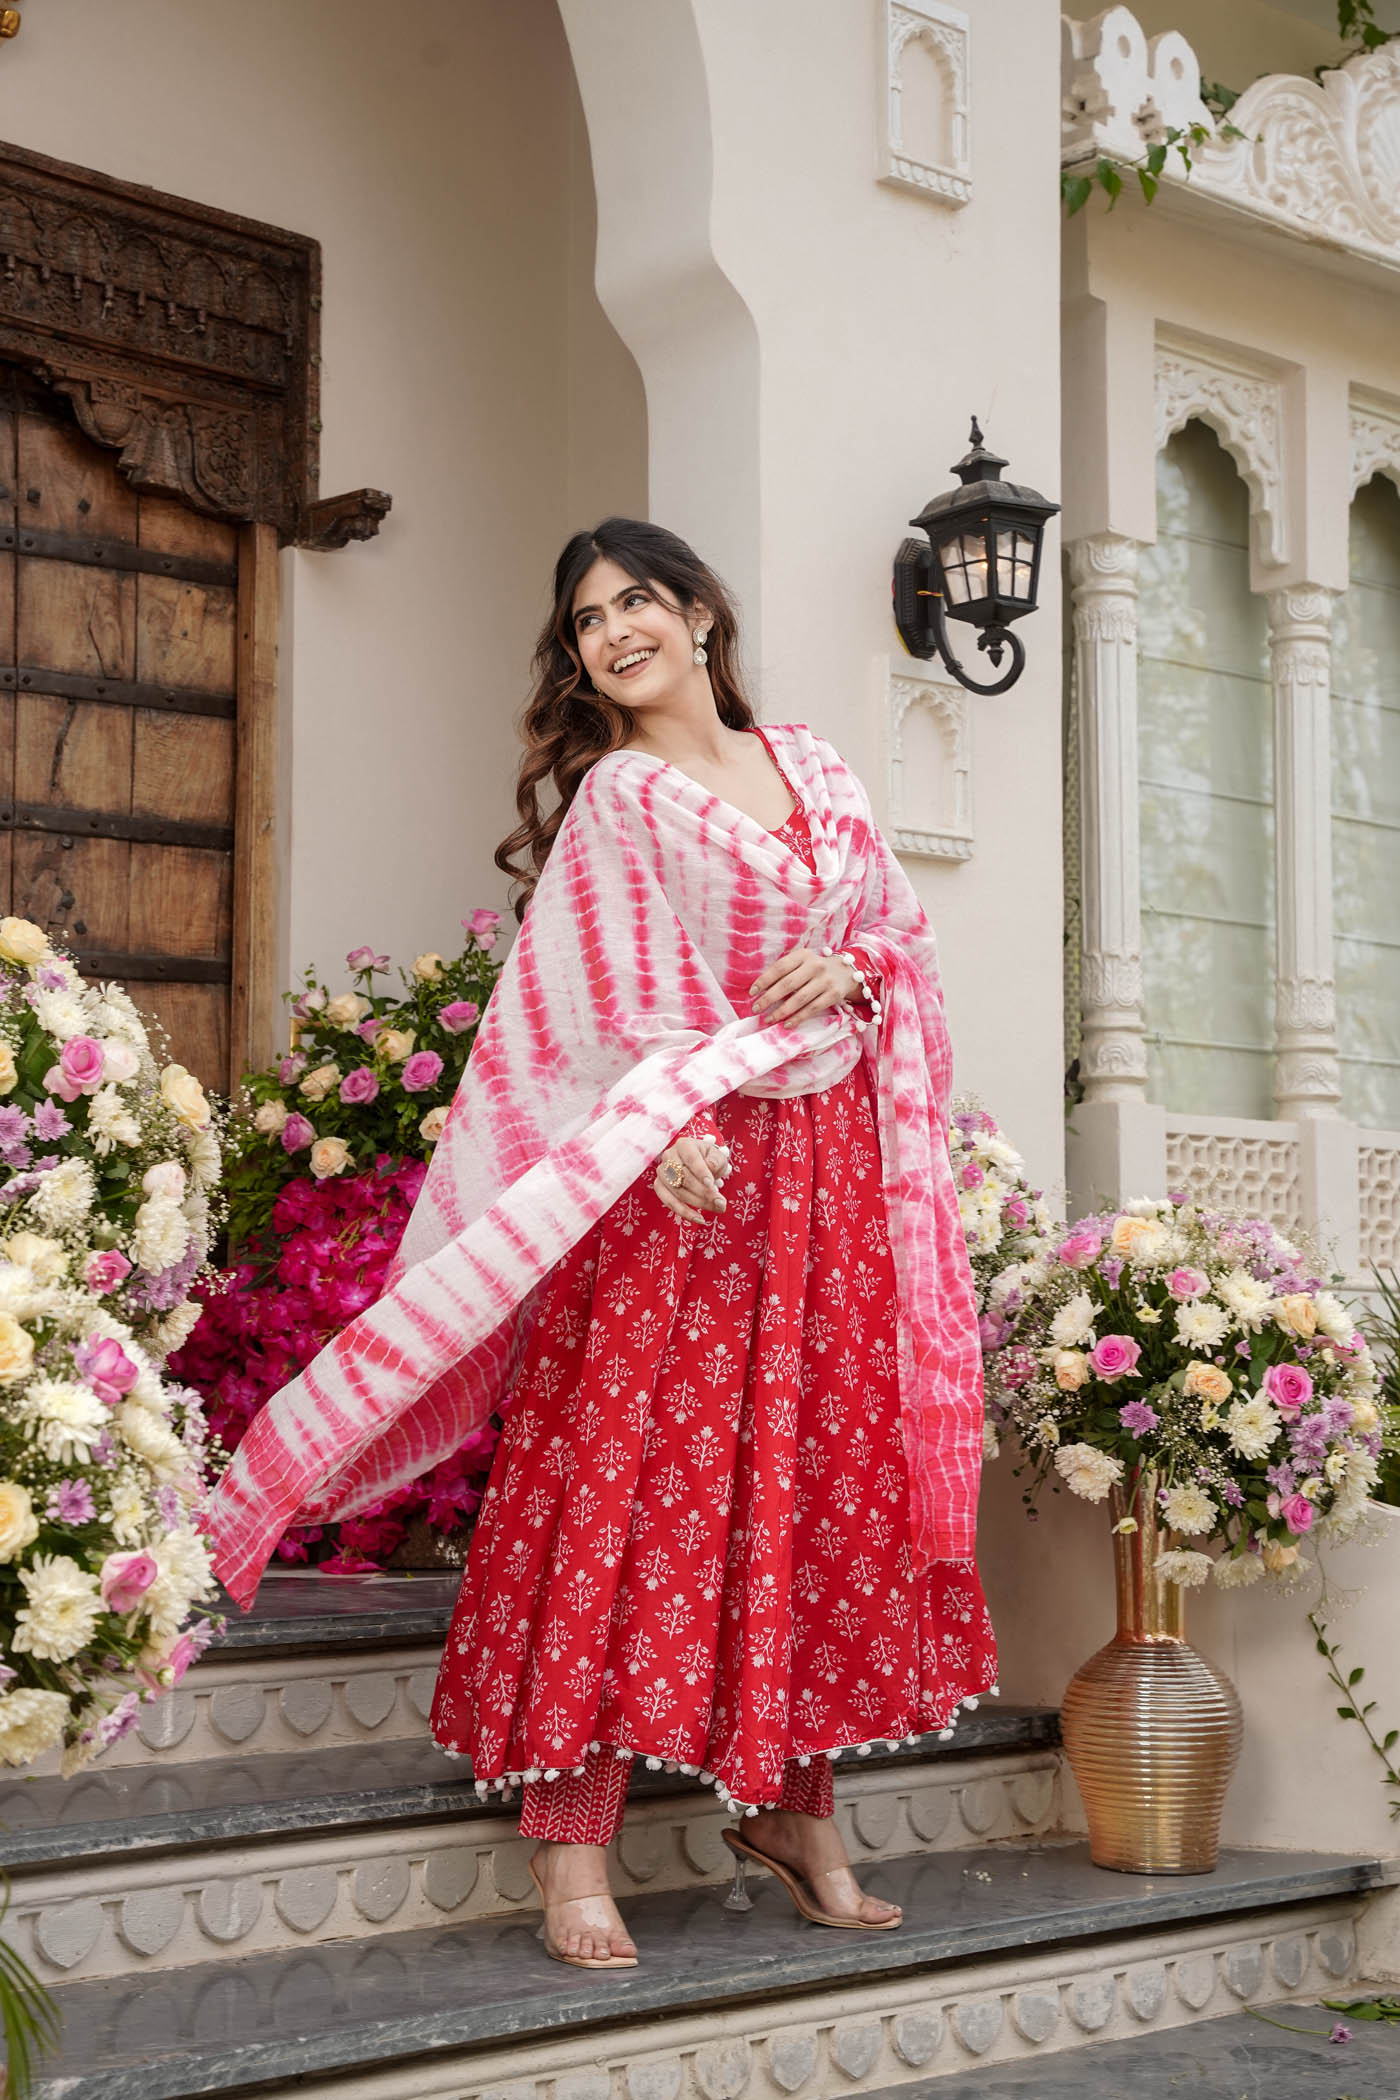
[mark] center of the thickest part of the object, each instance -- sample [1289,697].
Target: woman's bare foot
[814,1848]
[581,1920]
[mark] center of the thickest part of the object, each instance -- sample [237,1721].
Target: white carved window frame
[944,31]
[1243,404]
[908,685]
[1375,437]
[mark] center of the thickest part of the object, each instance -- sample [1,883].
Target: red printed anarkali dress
[694,1545]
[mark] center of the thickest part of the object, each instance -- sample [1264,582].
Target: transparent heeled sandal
[802,1892]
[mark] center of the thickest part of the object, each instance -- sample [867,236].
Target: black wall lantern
[982,564]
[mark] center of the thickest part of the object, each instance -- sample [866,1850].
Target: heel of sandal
[739,1898]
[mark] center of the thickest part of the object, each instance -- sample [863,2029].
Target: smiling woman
[691,1226]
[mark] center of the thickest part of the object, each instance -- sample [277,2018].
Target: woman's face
[633,646]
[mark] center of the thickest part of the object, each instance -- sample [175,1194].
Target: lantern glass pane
[1015,564]
[964,561]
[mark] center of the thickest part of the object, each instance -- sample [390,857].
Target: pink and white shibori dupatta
[622,1009]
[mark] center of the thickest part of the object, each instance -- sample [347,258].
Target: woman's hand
[802,984]
[704,1163]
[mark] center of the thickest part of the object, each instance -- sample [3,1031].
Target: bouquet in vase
[1169,1339]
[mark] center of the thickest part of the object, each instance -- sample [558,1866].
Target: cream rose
[19,1527]
[318,1084]
[16,1349]
[432,1125]
[1208,1382]
[427,968]
[183,1094]
[1364,1417]
[270,1117]
[1071,1368]
[1277,1558]
[393,1044]
[9,1072]
[329,1155]
[1298,1314]
[346,1009]
[1130,1233]
[21,941]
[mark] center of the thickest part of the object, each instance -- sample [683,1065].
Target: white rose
[427,968]
[432,1125]
[119,1060]
[165,1178]
[46,1260]
[184,1096]
[270,1118]
[346,1009]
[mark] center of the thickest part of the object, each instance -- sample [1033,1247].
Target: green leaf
[1347,1713]
[1355,1678]
[1147,184]
[1110,181]
[1392,1738]
[1075,190]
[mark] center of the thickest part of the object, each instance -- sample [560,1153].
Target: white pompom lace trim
[508,1781]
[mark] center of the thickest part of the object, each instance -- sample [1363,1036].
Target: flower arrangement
[1168,1339]
[370,1074]
[1005,1221]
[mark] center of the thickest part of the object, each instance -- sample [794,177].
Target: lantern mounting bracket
[923,627]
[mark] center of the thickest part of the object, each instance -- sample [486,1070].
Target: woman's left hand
[802,984]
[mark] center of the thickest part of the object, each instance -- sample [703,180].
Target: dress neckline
[799,807]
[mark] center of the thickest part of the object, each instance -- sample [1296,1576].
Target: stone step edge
[850,2037]
[32,1848]
[344,1885]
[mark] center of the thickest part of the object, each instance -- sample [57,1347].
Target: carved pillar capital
[1103,578]
[1306,1077]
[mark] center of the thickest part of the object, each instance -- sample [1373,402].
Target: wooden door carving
[118,713]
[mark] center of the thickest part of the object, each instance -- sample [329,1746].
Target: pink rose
[102,1272]
[368,1030]
[483,924]
[1289,1387]
[56,1081]
[423,1069]
[297,1134]
[291,1068]
[1016,1211]
[359,1086]
[992,1330]
[365,959]
[1188,1283]
[104,1366]
[81,1060]
[972,1176]
[181,1656]
[1298,1513]
[1080,1250]
[1114,1357]
[457,1018]
[126,1577]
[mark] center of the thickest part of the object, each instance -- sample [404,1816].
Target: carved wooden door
[118,707]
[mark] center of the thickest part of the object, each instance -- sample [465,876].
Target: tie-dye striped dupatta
[622,1009]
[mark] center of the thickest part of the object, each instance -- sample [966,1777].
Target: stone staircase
[281,1878]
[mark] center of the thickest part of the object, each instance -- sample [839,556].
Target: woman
[691,1225]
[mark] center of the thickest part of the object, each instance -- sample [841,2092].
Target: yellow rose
[1277,1557]
[329,1156]
[346,1009]
[427,968]
[16,1349]
[19,1527]
[183,1094]
[393,1044]
[21,941]
[1071,1369]
[9,1075]
[432,1125]
[44,1259]
[318,1084]
[1298,1313]
[1208,1382]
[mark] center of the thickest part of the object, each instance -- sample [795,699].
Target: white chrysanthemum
[1088,1472]
[65,1194]
[63,1608]
[1332,1316]
[1188,1570]
[1189,1509]
[1239,1572]
[68,1419]
[202,1151]
[1252,1426]
[1153,1247]
[196,1210]
[62,1014]
[175,1329]
[1247,1298]
[152,1440]
[1016,1276]
[1073,1325]
[31,1722]
[185,1574]
[115,1014]
[160,1235]
[1201,1325]
[996,1150]
[20,1295]
[110,1121]
[128,1514]
[148,1391]
[1148,1207]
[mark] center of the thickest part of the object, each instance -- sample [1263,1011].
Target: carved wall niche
[928,740]
[1244,407]
[1375,437]
[924,115]
[187,340]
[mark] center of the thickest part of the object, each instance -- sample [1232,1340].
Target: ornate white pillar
[1113,1055]
[1306,1081]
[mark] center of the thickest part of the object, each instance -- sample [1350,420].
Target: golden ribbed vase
[1151,1728]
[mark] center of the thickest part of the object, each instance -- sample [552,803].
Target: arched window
[1205,764]
[1366,812]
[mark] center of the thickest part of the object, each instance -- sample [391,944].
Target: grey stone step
[1030,1941]
[304,1610]
[1220,2060]
[209,1860]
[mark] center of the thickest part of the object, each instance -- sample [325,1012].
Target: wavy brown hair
[567,725]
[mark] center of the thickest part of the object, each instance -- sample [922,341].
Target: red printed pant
[585,1808]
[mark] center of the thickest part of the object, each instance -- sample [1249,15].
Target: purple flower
[1233,1494]
[1110,1271]
[50,1123]
[992,1331]
[1242,1349]
[123,1717]
[14,1126]
[1340,2033]
[71,1503]
[1137,1418]
[1282,1478]
[1308,1439]
[50,980]
[104,1451]
[16,1155]
[168,1503]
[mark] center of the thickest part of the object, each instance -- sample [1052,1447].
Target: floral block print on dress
[695,1545]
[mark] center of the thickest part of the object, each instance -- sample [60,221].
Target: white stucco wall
[436,151]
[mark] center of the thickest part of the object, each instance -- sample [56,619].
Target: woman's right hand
[704,1163]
